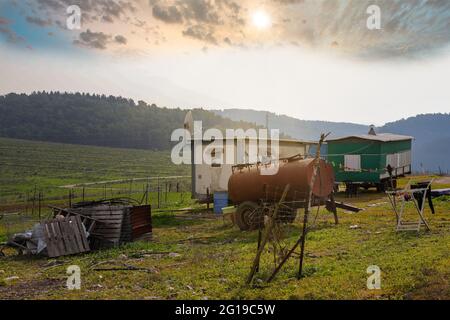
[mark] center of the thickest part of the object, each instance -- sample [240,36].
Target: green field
[202,256]
[28,167]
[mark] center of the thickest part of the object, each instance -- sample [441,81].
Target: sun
[261,20]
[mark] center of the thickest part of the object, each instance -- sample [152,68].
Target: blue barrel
[220,201]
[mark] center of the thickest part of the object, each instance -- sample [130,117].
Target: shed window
[393,160]
[405,158]
[352,162]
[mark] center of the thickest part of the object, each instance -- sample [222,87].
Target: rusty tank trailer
[254,193]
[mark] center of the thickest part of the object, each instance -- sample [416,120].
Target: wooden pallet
[65,237]
[108,231]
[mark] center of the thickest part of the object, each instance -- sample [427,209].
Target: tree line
[81,118]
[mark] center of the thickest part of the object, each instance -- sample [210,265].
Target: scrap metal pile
[84,227]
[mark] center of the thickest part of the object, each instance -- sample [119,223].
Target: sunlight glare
[261,19]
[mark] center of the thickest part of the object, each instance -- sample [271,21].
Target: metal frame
[408,194]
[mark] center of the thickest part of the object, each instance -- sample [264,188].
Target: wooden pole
[308,207]
[259,245]
[334,208]
[301,240]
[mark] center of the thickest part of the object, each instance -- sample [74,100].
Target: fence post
[33,211]
[39,201]
[26,202]
[158,197]
[165,194]
[159,189]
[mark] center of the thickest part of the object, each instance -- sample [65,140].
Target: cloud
[201,11]
[196,11]
[91,9]
[409,28]
[120,39]
[99,40]
[169,14]
[202,33]
[39,22]
[203,20]
[10,35]
[95,40]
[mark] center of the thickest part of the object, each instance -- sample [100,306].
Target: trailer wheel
[248,216]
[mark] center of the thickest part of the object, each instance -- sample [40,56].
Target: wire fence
[21,211]
[160,192]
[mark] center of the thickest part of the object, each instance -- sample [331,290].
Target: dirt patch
[29,290]
[435,286]
[442,180]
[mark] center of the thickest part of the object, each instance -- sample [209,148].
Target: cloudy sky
[311,59]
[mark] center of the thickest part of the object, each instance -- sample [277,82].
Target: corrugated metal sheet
[383,137]
[141,221]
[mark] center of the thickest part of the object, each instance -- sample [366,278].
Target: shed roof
[382,137]
[291,141]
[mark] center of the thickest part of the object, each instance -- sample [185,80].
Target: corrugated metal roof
[383,137]
[293,141]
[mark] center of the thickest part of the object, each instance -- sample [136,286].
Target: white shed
[208,179]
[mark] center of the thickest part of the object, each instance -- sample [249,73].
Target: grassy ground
[210,259]
[196,256]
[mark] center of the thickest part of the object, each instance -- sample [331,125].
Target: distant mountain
[431,147]
[296,128]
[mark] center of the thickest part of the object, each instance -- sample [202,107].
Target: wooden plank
[60,238]
[75,235]
[63,237]
[51,252]
[82,234]
[53,239]
[69,237]
[72,222]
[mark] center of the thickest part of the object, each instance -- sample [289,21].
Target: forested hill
[97,120]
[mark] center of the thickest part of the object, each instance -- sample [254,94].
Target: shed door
[352,162]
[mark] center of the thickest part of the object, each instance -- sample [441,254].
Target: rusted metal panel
[141,221]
